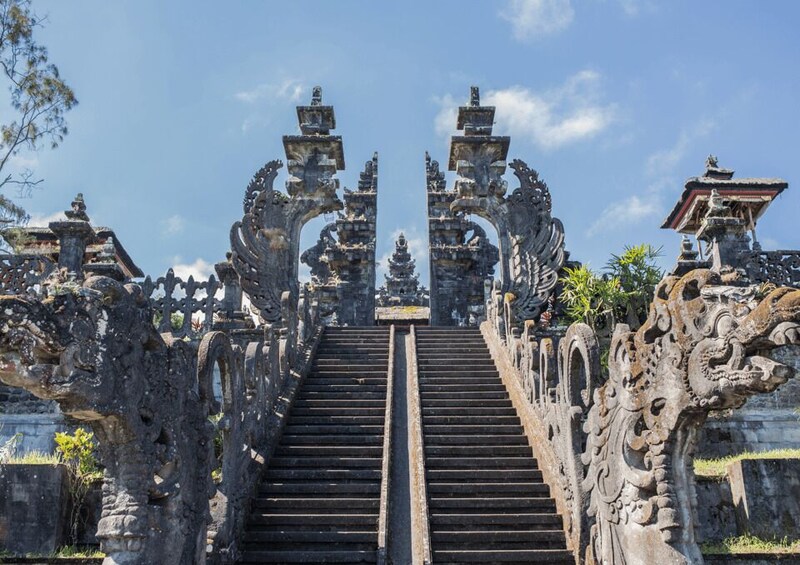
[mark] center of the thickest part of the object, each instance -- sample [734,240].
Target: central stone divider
[383,515]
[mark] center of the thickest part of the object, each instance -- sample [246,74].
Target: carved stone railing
[23,274]
[194,302]
[616,448]
[781,268]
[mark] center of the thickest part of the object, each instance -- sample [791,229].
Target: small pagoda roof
[45,242]
[747,197]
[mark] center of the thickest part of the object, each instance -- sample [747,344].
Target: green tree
[39,99]
[589,297]
[620,294]
[638,274]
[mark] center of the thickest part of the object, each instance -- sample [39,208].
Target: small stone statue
[711,162]
[474,96]
[316,96]
[78,211]
[716,205]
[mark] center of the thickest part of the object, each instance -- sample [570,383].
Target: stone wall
[766,496]
[34,508]
[38,430]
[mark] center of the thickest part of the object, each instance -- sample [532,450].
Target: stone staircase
[486,498]
[320,497]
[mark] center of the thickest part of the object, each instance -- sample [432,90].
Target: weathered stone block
[766,495]
[34,508]
[716,518]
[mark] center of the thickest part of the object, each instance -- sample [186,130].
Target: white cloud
[173,225]
[533,19]
[288,89]
[665,161]
[549,119]
[620,214]
[39,220]
[200,269]
[22,163]
[417,247]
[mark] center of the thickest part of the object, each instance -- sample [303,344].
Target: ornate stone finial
[474,96]
[316,96]
[78,211]
[687,248]
[711,162]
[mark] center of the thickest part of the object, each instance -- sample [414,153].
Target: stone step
[303,556]
[336,420]
[341,402]
[458,451]
[315,381]
[327,372]
[328,519]
[350,411]
[474,440]
[439,402]
[469,395]
[472,411]
[458,419]
[315,451]
[320,488]
[446,372]
[436,430]
[517,520]
[333,439]
[327,462]
[309,537]
[465,383]
[296,504]
[484,463]
[323,474]
[364,392]
[492,490]
[468,537]
[458,388]
[553,556]
[448,504]
[483,475]
[351,431]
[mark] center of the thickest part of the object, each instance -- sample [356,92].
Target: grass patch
[750,544]
[716,468]
[76,551]
[34,458]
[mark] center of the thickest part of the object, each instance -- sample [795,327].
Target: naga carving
[705,346]
[531,240]
[265,243]
[93,348]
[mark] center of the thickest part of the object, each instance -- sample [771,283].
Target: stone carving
[705,346]
[265,243]
[402,286]
[461,255]
[531,240]
[92,347]
[343,267]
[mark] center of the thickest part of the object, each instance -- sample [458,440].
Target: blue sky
[614,102]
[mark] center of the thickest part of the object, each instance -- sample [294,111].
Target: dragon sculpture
[705,346]
[92,347]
